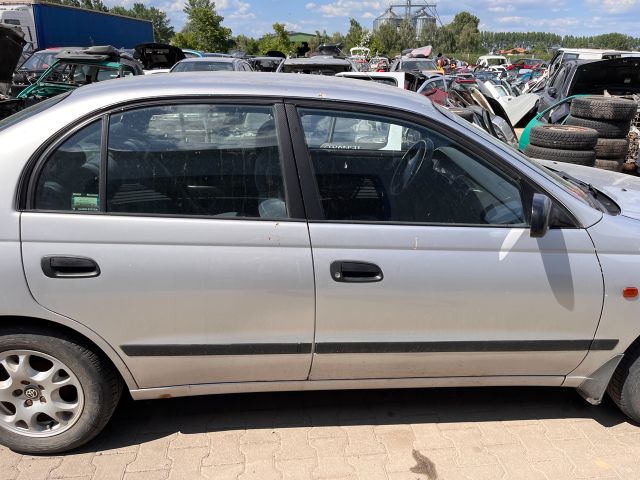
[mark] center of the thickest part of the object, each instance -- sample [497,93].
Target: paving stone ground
[443,434]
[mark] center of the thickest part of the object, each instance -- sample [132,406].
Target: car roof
[210,60]
[411,59]
[259,84]
[317,60]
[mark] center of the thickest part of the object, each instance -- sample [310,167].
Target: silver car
[270,232]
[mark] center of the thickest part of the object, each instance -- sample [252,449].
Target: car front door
[424,264]
[176,232]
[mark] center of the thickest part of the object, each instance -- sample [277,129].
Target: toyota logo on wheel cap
[31,392]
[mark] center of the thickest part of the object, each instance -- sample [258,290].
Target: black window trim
[25,200]
[311,195]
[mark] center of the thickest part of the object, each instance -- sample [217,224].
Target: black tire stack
[611,118]
[563,143]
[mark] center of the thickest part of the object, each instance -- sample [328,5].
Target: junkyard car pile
[546,100]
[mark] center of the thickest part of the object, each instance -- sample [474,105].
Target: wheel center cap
[31,392]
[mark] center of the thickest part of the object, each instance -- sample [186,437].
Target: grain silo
[387,17]
[421,20]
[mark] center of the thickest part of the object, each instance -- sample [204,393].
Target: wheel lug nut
[28,403]
[24,382]
[40,387]
[43,400]
[17,392]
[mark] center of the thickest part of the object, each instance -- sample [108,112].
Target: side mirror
[553,92]
[540,215]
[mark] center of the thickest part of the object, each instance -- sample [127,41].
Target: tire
[612,148]
[565,137]
[92,393]
[604,108]
[613,165]
[578,157]
[605,128]
[463,113]
[624,388]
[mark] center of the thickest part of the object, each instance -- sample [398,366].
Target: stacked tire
[563,143]
[611,118]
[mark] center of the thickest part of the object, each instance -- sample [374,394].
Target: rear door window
[69,180]
[200,160]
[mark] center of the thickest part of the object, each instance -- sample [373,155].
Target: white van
[568,54]
[487,61]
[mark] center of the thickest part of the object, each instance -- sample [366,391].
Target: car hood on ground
[622,188]
[158,55]
[11,44]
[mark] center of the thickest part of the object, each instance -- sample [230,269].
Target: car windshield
[39,61]
[31,111]
[203,67]
[558,178]
[496,61]
[409,65]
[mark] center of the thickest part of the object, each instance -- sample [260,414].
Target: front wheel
[55,393]
[624,388]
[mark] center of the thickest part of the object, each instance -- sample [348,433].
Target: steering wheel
[410,165]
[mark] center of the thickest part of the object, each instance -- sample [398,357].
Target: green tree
[463,33]
[248,45]
[428,35]
[386,39]
[203,30]
[279,41]
[163,32]
[318,39]
[406,36]
[162,29]
[354,35]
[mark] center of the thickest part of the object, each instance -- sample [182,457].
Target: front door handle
[69,267]
[356,272]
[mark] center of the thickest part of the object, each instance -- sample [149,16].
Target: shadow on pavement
[143,421]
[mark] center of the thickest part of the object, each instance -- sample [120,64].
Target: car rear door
[176,232]
[424,265]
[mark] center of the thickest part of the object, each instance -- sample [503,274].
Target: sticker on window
[84,202]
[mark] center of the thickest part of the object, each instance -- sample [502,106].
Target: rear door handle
[356,272]
[69,267]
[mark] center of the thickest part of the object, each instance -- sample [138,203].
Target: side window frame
[27,188]
[311,194]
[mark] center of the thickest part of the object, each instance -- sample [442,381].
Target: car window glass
[39,61]
[211,160]
[106,74]
[202,66]
[69,179]
[372,168]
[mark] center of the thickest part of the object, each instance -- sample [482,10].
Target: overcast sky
[570,17]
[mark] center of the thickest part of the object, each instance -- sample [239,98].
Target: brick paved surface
[389,435]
